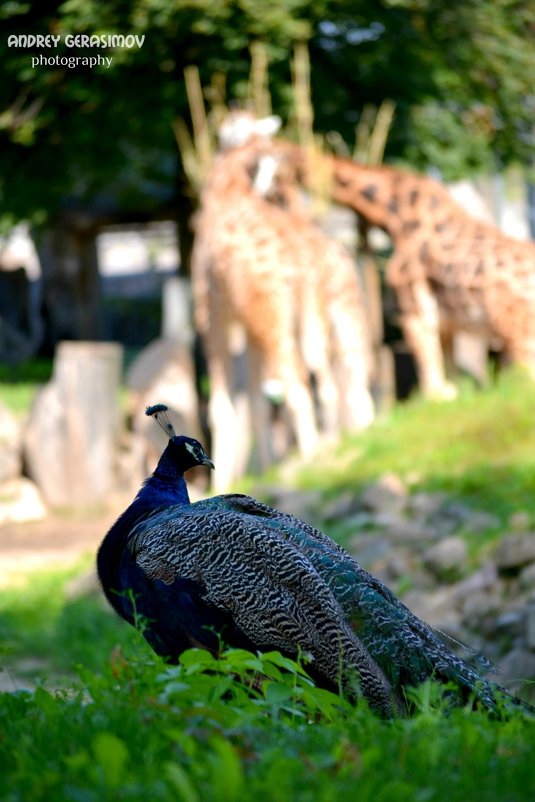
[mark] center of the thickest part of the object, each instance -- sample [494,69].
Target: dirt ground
[58,541]
[55,542]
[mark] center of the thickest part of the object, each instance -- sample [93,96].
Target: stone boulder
[448,558]
[20,501]
[10,445]
[71,437]
[163,373]
[387,495]
[515,551]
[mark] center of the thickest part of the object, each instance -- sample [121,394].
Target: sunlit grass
[126,726]
[480,447]
[19,383]
[47,618]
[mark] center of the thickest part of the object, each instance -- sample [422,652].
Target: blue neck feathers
[166,486]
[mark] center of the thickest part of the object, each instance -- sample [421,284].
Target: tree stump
[73,429]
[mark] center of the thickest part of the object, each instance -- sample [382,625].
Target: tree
[75,138]
[462,77]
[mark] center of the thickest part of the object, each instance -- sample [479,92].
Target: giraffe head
[240,126]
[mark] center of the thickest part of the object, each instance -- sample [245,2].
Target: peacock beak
[207,461]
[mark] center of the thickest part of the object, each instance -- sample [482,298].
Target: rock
[401,530]
[71,436]
[526,580]
[387,494]
[448,558]
[480,606]
[360,521]
[301,503]
[341,507]
[400,563]
[516,668]
[130,464]
[515,551]
[425,505]
[10,445]
[20,501]
[164,373]
[520,521]
[454,516]
[482,579]
[368,549]
[530,625]
[436,609]
[480,521]
[511,622]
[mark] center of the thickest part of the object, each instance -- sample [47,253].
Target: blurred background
[102,174]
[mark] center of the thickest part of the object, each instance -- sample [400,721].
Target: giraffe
[450,272]
[256,264]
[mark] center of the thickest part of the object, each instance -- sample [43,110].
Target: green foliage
[209,730]
[37,618]
[18,383]
[459,74]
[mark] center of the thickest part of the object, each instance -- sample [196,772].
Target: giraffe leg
[298,398]
[421,329]
[223,414]
[351,341]
[328,399]
[302,409]
[222,419]
[353,360]
[315,347]
[260,410]
[521,351]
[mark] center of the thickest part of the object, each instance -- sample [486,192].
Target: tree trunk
[72,433]
[71,284]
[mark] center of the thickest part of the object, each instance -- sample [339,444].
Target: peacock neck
[163,490]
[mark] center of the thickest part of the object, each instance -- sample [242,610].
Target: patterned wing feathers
[254,571]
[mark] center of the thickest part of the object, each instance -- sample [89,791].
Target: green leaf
[227,768]
[46,702]
[181,782]
[111,754]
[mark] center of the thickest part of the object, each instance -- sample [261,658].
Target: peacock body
[231,569]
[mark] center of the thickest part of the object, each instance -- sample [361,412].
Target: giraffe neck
[370,191]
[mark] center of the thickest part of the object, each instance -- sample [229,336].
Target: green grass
[242,728]
[480,447]
[18,383]
[124,726]
[40,619]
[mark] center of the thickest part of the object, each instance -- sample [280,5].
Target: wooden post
[73,428]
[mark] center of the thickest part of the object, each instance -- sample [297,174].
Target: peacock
[232,570]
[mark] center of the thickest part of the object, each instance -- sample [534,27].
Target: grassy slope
[136,730]
[480,447]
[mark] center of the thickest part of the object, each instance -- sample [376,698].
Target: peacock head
[186,452]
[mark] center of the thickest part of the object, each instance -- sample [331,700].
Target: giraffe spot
[423,253]
[441,226]
[369,192]
[434,202]
[413,196]
[410,226]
